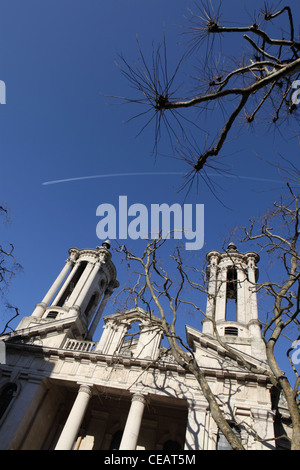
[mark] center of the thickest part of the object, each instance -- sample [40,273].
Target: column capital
[194,405]
[109,291]
[86,389]
[139,397]
[74,254]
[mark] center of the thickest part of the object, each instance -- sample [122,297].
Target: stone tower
[76,299]
[61,388]
[232,302]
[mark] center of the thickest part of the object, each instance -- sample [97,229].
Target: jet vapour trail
[164,173]
[110,175]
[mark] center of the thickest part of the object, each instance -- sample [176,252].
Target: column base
[39,310]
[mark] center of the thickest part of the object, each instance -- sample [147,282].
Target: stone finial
[232,247]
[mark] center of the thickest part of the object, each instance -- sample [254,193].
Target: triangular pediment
[211,354]
[131,315]
[42,332]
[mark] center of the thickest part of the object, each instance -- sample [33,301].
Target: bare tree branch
[8,267]
[261,82]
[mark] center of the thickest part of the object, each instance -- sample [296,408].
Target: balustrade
[77,345]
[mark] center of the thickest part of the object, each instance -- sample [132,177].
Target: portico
[87,417]
[72,426]
[125,390]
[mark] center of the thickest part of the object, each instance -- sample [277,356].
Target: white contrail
[165,173]
[110,175]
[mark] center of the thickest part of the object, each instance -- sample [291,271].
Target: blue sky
[57,58]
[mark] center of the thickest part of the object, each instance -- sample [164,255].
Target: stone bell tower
[77,297]
[232,300]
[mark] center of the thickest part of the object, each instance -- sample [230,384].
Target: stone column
[41,307]
[221,294]
[72,426]
[66,283]
[264,426]
[196,422]
[112,338]
[212,434]
[253,322]
[105,338]
[148,342]
[98,314]
[72,300]
[88,284]
[207,326]
[241,295]
[133,423]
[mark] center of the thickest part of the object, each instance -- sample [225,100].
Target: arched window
[131,338]
[231,294]
[92,303]
[222,443]
[70,287]
[6,396]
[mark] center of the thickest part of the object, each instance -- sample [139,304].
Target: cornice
[40,329]
[144,364]
[98,253]
[101,254]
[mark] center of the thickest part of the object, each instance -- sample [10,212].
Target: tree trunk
[215,409]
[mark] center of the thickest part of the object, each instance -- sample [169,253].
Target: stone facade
[60,389]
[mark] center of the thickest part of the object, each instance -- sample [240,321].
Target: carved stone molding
[139,397]
[85,389]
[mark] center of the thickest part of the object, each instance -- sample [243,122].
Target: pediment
[135,314]
[37,331]
[211,354]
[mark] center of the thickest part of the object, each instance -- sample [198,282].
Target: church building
[63,389]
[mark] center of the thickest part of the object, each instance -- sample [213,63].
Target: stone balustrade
[77,345]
